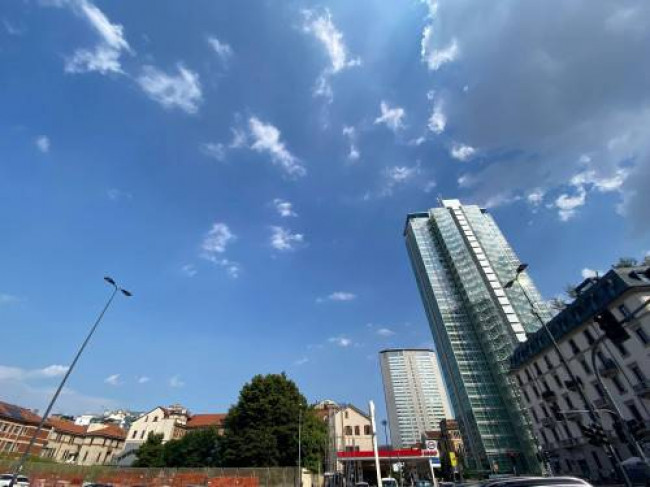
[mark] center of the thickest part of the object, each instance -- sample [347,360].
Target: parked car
[536,482]
[21,480]
[361,484]
[389,482]
[423,483]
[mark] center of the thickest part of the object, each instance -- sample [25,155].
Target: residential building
[170,422]
[416,397]
[93,444]
[624,369]
[461,262]
[198,422]
[349,429]
[17,425]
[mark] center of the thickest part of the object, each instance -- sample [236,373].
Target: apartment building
[555,401]
[17,425]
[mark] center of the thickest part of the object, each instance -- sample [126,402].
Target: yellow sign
[452,459]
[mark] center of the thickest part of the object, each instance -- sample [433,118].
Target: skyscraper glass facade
[416,397]
[461,262]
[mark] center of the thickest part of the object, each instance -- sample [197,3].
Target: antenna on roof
[439,198]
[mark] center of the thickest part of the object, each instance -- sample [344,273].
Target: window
[536,391]
[585,366]
[532,410]
[366,429]
[155,419]
[146,418]
[526,395]
[642,336]
[557,380]
[569,403]
[624,311]
[142,434]
[596,459]
[347,415]
[638,373]
[549,364]
[617,383]
[135,432]
[348,430]
[85,456]
[574,347]
[545,437]
[519,381]
[598,389]
[590,338]
[567,431]
[357,430]
[635,412]
[537,369]
[622,350]
[528,376]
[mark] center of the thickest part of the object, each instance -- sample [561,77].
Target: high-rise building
[416,398]
[461,262]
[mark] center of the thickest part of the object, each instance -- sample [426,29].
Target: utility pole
[374,442]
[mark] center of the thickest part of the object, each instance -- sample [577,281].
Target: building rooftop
[18,414]
[594,295]
[205,420]
[388,350]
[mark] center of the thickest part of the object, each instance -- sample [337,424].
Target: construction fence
[57,475]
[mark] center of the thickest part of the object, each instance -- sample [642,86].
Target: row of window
[357,430]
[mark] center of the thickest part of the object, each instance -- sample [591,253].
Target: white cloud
[215,150]
[535,197]
[266,138]
[181,90]
[400,174]
[341,341]
[436,58]
[338,296]
[284,208]
[239,138]
[143,379]
[17,387]
[324,30]
[43,143]
[568,204]
[223,50]
[587,273]
[282,239]
[393,118]
[213,246]
[437,120]
[175,381]
[351,134]
[301,361]
[189,270]
[385,332]
[462,152]
[12,29]
[217,239]
[429,186]
[113,380]
[105,57]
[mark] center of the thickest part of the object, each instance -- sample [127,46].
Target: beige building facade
[95,444]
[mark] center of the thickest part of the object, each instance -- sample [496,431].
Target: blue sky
[245,169]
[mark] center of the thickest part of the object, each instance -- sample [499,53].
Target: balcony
[642,389]
[549,396]
[608,369]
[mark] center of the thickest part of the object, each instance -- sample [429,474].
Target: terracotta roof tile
[109,431]
[18,414]
[205,420]
[65,426]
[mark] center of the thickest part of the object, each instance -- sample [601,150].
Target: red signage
[402,453]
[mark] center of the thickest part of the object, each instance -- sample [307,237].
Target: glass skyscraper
[416,398]
[461,262]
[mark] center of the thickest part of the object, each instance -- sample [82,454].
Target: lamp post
[25,455]
[384,423]
[300,446]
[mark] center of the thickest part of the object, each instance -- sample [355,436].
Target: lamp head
[110,281]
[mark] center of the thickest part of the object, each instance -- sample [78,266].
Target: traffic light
[612,328]
[595,434]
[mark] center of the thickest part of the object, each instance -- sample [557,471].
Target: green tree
[261,429]
[195,449]
[150,454]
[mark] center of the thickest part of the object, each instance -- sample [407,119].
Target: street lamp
[23,458]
